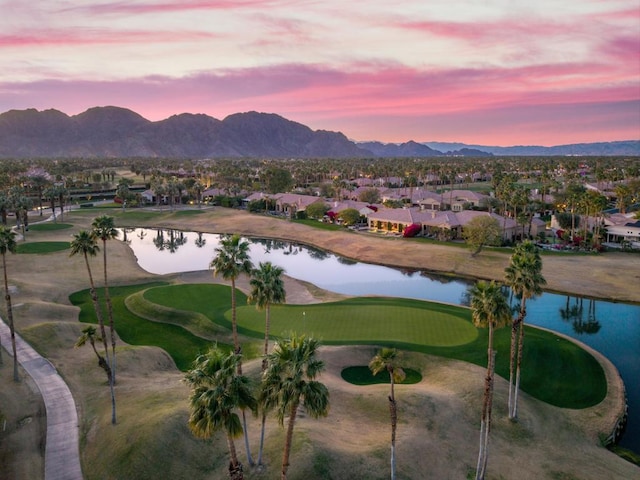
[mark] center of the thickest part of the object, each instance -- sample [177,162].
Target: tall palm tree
[290,381]
[387,359]
[267,288]
[232,260]
[489,309]
[217,391]
[8,244]
[524,276]
[103,227]
[85,242]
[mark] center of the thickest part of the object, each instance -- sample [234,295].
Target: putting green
[371,321]
[366,320]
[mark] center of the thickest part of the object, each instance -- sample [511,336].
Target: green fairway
[42,247]
[554,370]
[49,226]
[182,345]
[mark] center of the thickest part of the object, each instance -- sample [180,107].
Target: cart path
[62,453]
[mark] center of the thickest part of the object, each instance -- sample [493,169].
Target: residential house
[458,200]
[291,203]
[623,229]
[434,222]
[363,208]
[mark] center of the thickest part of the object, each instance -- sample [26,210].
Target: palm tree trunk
[264,366]
[107,298]
[514,384]
[517,385]
[96,306]
[393,410]
[107,367]
[394,422]
[512,360]
[237,350]
[12,329]
[485,418]
[490,410]
[234,327]
[235,467]
[264,421]
[287,444]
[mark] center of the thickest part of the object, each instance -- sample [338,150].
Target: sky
[488,72]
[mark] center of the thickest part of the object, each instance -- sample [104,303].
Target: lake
[611,328]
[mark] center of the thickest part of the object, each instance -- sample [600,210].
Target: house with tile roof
[290,204]
[434,222]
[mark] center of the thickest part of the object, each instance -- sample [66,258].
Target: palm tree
[103,227]
[89,335]
[217,390]
[387,359]
[290,381]
[8,244]
[85,242]
[524,276]
[489,309]
[267,288]
[232,260]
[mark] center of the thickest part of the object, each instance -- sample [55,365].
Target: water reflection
[200,241]
[575,314]
[173,240]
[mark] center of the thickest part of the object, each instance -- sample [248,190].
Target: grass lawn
[554,370]
[42,247]
[321,225]
[182,345]
[49,226]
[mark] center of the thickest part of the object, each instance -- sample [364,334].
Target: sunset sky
[491,72]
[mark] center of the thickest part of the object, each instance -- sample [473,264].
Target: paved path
[62,454]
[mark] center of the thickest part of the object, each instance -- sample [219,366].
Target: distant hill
[623,148]
[119,132]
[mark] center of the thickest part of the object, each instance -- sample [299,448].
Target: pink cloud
[92,36]
[127,8]
[576,103]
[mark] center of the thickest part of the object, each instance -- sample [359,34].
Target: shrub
[412,230]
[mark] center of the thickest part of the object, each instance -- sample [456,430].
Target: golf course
[571,395]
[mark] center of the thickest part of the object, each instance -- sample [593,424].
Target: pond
[611,328]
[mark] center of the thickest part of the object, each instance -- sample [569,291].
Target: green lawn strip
[182,345]
[361,375]
[42,247]
[321,225]
[187,213]
[554,370]
[48,226]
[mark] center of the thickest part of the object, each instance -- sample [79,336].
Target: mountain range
[119,132]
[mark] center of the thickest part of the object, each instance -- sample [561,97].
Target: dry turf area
[438,418]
